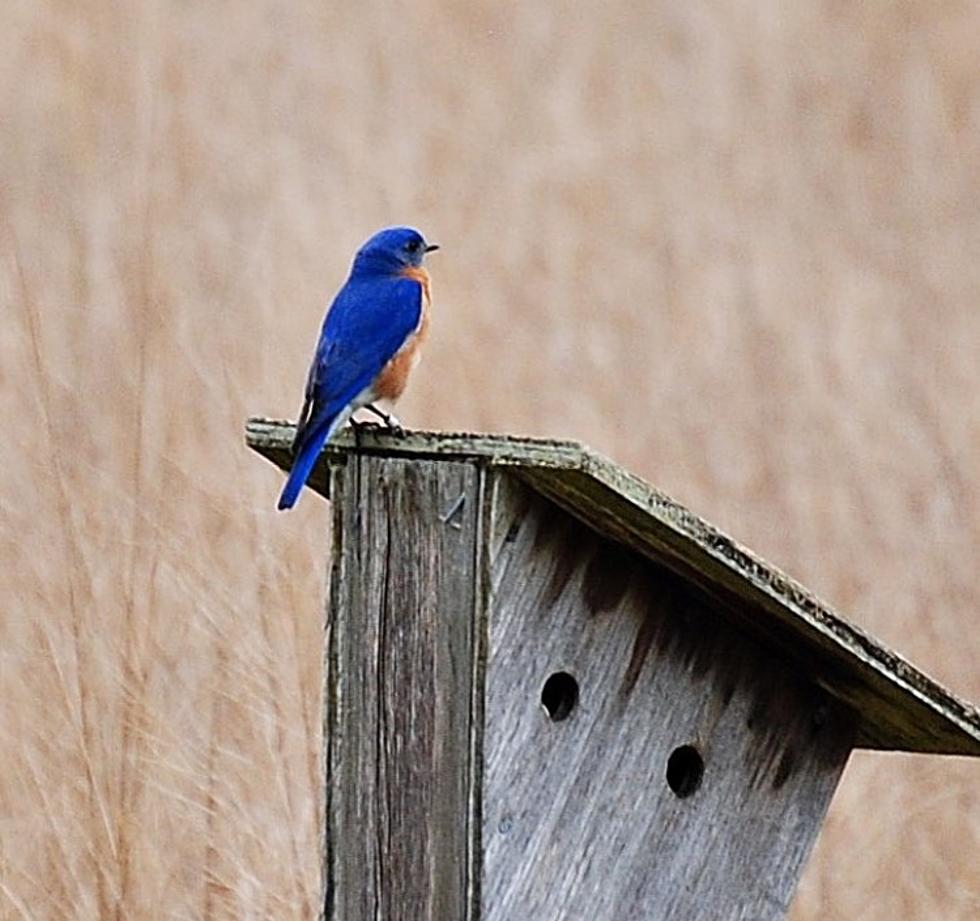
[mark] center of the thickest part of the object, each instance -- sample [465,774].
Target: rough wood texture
[899,707]
[400,708]
[579,820]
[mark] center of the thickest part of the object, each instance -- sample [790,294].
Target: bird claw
[390,421]
[359,425]
[393,425]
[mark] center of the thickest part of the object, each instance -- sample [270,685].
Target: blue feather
[303,463]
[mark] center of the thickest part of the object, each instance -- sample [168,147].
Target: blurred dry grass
[734,246]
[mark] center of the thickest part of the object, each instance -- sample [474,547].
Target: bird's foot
[358,425]
[390,421]
[357,428]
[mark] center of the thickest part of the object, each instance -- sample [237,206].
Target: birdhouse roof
[898,707]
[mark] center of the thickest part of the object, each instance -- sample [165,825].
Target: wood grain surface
[452,793]
[402,652]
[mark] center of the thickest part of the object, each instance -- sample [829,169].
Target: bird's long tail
[309,451]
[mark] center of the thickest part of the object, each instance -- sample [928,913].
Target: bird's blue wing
[366,325]
[368,322]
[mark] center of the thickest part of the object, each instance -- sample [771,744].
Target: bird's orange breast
[390,383]
[417,273]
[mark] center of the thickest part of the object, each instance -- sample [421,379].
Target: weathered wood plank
[899,706]
[401,656]
[580,819]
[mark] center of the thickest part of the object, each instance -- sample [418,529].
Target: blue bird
[369,343]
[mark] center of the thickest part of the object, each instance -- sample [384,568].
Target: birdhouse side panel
[643,759]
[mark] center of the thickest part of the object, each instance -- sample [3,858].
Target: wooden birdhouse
[554,694]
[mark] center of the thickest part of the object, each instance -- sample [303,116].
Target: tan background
[735,246]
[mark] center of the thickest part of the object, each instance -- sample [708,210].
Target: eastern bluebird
[369,343]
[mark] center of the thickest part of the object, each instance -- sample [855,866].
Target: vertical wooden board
[399,696]
[579,819]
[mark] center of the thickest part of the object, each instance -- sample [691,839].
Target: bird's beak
[431,247]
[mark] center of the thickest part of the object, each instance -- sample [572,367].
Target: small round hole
[685,769]
[559,696]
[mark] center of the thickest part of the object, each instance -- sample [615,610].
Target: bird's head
[391,251]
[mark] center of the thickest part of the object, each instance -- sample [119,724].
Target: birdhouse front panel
[642,758]
[401,689]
